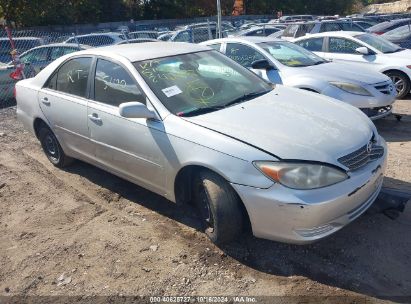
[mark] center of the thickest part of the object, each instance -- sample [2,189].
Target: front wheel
[52,148]
[401,83]
[218,206]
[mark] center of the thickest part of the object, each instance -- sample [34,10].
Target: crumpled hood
[293,124]
[345,72]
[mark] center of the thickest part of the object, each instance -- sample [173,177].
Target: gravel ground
[84,232]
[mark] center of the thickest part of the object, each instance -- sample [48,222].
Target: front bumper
[377,113]
[300,216]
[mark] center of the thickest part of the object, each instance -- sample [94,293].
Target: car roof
[99,34]
[63,45]
[148,50]
[250,39]
[334,34]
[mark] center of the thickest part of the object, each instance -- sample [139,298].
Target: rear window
[290,30]
[304,29]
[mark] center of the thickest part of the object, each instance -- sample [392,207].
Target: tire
[401,83]
[218,206]
[52,148]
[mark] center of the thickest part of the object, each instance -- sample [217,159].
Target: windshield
[203,80]
[379,43]
[400,32]
[290,54]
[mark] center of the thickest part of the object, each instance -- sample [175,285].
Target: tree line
[50,12]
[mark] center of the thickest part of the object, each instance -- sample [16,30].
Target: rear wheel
[401,83]
[218,206]
[52,148]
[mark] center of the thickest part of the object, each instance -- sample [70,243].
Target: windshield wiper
[245,97]
[205,110]
[199,111]
[319,62]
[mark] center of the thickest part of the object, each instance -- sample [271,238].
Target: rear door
[128,147]
[315,45]
[63,100]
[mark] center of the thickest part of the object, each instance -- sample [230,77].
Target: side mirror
[262,64]
[363,50]
[136,110]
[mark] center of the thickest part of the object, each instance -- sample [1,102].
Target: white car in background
[283,62]
[367,49]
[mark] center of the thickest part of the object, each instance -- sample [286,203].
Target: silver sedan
[285,63]
[190,124]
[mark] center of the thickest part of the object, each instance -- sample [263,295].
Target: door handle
[94,118]
[45,101]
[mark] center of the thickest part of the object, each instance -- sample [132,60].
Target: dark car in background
[387,26]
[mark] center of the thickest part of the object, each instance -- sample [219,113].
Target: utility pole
[219,18]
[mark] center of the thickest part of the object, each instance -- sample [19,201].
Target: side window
[52,82]
[216,46]
[291,30]
[313,45]
[57,52]
[113,85]
[304,29]
[330,27]
[351,27]
[243,54]
[72,77]
[37,55]
[183,37]
[343,46]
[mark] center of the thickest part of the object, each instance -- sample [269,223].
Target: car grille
[362,157]
[386,88]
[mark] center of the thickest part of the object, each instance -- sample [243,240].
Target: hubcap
[398,83]
[205,210]
[51,147]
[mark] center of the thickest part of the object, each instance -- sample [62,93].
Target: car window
[304,29]
[313,44]
[183,37]
[72,77]
[52,82]
[96,40]
[350,26]
[37,55]
[216,46]
[243,54]
[184,83]
[290,54]
[114,86]
[290,30]
[57,52]
[344,46]
[330,27]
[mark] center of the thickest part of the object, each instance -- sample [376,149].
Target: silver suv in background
[296,30]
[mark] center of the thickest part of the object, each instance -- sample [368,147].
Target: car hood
[345,72]
[293,124]
[404,55]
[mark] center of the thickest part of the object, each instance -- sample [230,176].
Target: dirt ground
[85,232]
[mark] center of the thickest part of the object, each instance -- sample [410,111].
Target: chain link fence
[25,52]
